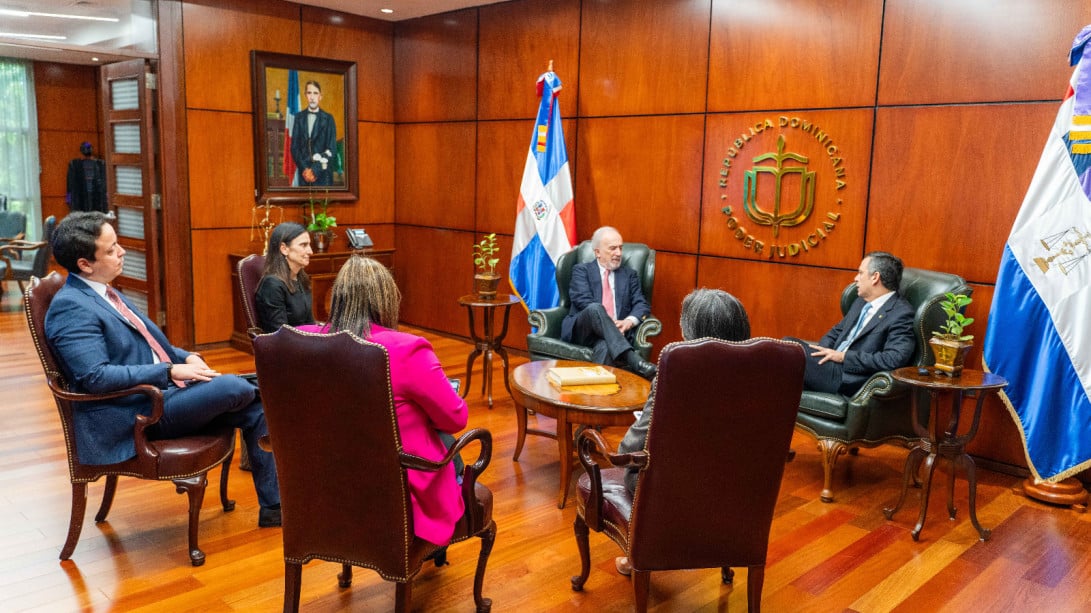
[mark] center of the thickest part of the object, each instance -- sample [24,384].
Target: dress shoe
[645,369]
[623,565]
[639,365]
[269,517]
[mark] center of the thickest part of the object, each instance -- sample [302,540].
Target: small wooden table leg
[564,443]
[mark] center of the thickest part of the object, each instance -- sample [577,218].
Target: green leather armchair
[545,342]
[880,411]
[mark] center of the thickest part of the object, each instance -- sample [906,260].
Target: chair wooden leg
[641,579]
[580,528]
[727,575]
[403,595]
[755,578]
[194,487]
[107,499]
[344,578]
[293,580]
[225,470]
[488,537]
[831,450]
[75,521]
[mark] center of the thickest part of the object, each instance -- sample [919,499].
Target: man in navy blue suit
[876,334]
[105,344]
[606,321]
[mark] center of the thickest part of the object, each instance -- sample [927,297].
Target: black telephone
[359,239]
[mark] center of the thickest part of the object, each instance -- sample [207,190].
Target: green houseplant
[950,343]
[320,222]
[485,259]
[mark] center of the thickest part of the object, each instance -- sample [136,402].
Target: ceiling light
[386,11]
[12,13]
[34,36]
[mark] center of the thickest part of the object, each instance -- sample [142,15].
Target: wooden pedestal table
[568,405]
[489,342]
[948,444]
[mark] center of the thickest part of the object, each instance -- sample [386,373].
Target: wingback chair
[545,342]
[710,468]
[250,270]
[15,264]
[880,411]
[13,225]
[337,503]
[185,461]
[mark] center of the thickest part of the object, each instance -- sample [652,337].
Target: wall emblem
[781,187]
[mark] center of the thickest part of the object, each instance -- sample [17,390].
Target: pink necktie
[127,313]
[608,295]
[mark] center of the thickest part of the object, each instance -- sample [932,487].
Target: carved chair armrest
[651,326]
[469,473]
[881,385]
[16,247]
[547,322]
[589,445]
[141,422]
[253,332]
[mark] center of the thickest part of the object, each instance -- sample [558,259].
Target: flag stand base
[1068,492]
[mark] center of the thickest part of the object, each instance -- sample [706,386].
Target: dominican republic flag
[291,104]
[1039,334]
[545,219]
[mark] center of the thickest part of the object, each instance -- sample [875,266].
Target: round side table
[489,341]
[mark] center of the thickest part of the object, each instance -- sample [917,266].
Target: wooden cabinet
[322,270]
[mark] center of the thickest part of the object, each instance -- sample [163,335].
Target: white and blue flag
[545,221]
[1039,333]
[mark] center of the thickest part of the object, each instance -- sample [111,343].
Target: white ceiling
[133,34]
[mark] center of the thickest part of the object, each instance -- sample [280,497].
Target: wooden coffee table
[532,391]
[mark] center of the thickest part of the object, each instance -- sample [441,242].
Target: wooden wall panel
[759,50]
[221,172]
[434,268]
[218,40]
[781,299]
[352,38]
[956,175]
[434,174]
[67,99]
[937,51]
[643,57]
[641,175]
[435,67]
[517,41]
[836,146]
[376,162]
[68,114]
[212,301]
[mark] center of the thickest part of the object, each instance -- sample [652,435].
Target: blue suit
[100,351]
[588,324]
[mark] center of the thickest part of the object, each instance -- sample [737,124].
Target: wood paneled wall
[68,114]
[937,112]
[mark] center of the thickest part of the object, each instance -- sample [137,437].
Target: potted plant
[485,279]
[949,344]
[320,223]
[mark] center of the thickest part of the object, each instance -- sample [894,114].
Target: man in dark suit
[606,321]
[876,333]
[105,344]
[314,140]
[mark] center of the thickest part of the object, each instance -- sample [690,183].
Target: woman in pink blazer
[365,302]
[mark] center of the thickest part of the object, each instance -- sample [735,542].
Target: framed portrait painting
[304,127]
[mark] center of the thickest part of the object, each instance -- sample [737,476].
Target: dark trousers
[594,328]
[819,377]
[229,400]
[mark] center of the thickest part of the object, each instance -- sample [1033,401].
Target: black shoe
[269,517]
[438,556]
[645,369]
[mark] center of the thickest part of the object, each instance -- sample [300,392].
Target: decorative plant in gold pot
[320,222]
[949,344]
[485,279]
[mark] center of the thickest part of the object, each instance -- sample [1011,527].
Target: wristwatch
[170,366]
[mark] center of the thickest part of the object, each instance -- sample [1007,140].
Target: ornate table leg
[473,354]
[912,465]
[926,487]
[564,445]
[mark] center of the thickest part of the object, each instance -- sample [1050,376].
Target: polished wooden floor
[843,556]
